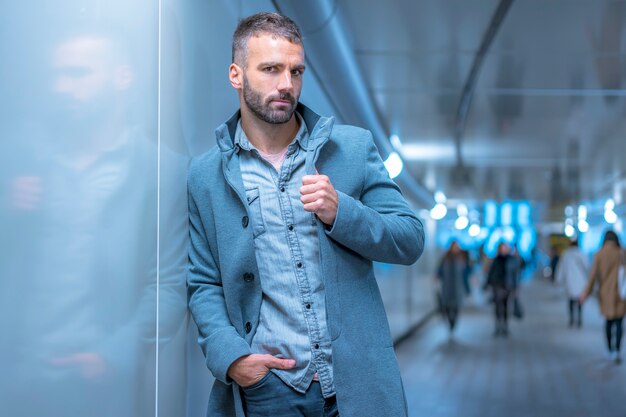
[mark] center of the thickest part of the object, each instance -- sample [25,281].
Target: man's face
[272,78]
[83,69]
[88,77]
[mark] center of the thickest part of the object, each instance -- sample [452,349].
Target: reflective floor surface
[543,369]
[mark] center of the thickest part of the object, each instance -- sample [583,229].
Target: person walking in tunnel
[604,271]
[572,272]
[555,257]
[452,272]
[503,279]
[287,214]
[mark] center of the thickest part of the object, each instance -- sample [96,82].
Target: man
[503,278]
[287,214]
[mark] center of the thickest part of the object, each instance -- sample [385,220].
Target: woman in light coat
[572,272]
[613,308]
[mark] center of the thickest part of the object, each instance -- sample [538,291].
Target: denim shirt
[292,321]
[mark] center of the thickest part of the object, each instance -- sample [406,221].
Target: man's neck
[267,137]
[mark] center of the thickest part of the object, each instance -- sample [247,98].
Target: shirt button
[317,346]
[290,227]
[308,306]
[244,221]
[299,264]
[248,327]
[248,277]
[282,189]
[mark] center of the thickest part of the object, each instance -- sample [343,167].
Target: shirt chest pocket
[253,197]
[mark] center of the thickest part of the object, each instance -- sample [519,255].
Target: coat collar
[319,128]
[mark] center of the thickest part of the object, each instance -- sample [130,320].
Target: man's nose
[285,83]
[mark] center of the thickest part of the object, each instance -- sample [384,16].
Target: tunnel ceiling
[546,121]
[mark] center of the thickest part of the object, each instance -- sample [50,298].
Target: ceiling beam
[472,78]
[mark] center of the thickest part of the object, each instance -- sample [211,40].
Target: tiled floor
[544,369]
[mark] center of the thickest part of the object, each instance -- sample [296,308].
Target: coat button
[248,277]
[290,227]
[282,189]
[299,264]
[244,221]
[248,327]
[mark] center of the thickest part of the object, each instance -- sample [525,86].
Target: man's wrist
[236,362]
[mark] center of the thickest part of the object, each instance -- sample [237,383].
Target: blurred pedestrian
[503,279]
[572,272]
[604,271]
[554,261]
[452,272]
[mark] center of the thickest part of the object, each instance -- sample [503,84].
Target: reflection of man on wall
[83,210]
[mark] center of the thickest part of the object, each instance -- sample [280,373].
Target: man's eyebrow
[300,67]
[270,64]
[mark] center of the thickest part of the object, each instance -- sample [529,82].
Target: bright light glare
[508,233]
[609,205]
[523,214]
[526,241]
[396,142]
[394,165]
[569,230]
[442,150]
[439,211]
[440,197]
[582,212]
[610,216]
[461,222]
[474,230]
[461,210]
[506,214]
[583,226]
[569,211]
[491,209]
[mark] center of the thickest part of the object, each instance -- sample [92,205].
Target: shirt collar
[301,139]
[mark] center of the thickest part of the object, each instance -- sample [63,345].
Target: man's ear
[235,74]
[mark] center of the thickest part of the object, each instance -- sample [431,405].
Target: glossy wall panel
[80,211]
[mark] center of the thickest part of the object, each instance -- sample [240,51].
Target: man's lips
[282,102]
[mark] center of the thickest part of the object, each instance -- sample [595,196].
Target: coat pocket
[253,196]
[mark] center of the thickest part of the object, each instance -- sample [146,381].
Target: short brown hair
[255,25]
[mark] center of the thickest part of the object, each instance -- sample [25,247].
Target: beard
[261,108]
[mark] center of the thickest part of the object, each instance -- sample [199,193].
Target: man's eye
[296,73]
[268,69]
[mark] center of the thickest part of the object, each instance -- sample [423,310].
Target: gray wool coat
[373,223]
